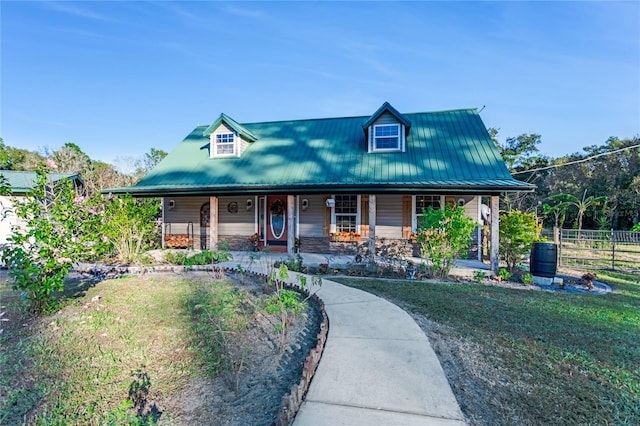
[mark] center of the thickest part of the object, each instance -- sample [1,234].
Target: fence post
[559,231]
[613,251]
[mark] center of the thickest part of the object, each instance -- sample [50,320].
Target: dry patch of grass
[522,357]
[114,349]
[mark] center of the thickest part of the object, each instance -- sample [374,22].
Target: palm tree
[581,204]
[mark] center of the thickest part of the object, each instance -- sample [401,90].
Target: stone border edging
[291,402]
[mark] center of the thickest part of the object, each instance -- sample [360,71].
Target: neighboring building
[21,183]
[320,182]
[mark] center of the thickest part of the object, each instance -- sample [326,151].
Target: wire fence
[618,250]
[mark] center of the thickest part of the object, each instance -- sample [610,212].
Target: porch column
[291,224]
[213,223]
[162,204]
[372,226]
[479,229]
[495,232]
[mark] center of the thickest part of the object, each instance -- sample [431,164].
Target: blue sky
[118,78]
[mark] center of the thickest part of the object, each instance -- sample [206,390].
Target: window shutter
[364,216]
[406,216]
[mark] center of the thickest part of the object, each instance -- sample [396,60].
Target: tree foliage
[518,232]
[57,227]
[131,226]
[443,235]
[611,169]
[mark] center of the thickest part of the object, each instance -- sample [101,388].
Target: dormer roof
[231,123]
[387,107]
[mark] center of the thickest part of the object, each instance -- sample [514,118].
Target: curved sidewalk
[378,368]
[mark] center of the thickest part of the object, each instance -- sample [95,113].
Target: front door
[276,223]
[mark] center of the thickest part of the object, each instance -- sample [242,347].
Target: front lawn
[531,357]
[160,349]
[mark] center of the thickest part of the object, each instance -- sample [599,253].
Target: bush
[518,232]
[205,257]
[130,225]
[443,235]
[60,228]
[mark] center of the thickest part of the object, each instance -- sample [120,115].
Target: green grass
[112,347]
[567,358]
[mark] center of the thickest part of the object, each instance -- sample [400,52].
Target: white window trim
[332,228]
[214,145]
[401,138]
[414,214]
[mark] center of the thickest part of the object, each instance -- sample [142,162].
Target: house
[324,185]
[21,183]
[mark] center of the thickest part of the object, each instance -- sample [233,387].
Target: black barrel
[544,260]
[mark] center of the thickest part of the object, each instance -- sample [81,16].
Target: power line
[576,161]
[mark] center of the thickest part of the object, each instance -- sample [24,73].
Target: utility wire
[576,161]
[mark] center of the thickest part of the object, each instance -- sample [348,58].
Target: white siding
[389,216]
[6,222]
[240,144]
[311,220]
[240,223]
[471,207]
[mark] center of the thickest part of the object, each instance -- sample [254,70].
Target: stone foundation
[236,242]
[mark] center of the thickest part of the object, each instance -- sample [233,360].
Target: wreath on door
[277,208]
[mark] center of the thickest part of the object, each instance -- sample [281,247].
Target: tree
[518,232]
[60,228]
[559,212]
[443,235]
[581,204]
[130,225]
[149,161]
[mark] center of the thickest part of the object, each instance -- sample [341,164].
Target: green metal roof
[445,151]
[22,182]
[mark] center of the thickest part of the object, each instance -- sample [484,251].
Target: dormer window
[386,130]
[225,144]
[386,137]
[227,138]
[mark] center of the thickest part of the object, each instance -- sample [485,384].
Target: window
[225,144]
[386,137]
[346,213]
[422,202]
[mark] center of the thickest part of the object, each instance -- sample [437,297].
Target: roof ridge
[354,116]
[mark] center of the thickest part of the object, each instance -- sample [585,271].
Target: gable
[227,137]
[386,130]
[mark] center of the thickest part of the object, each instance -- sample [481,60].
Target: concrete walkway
[378,367]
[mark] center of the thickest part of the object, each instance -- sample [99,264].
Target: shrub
[479,276]
[518,232]
[503,274]
[527,278]
[60,228]
[205,257]
[443,235]
[130,226]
